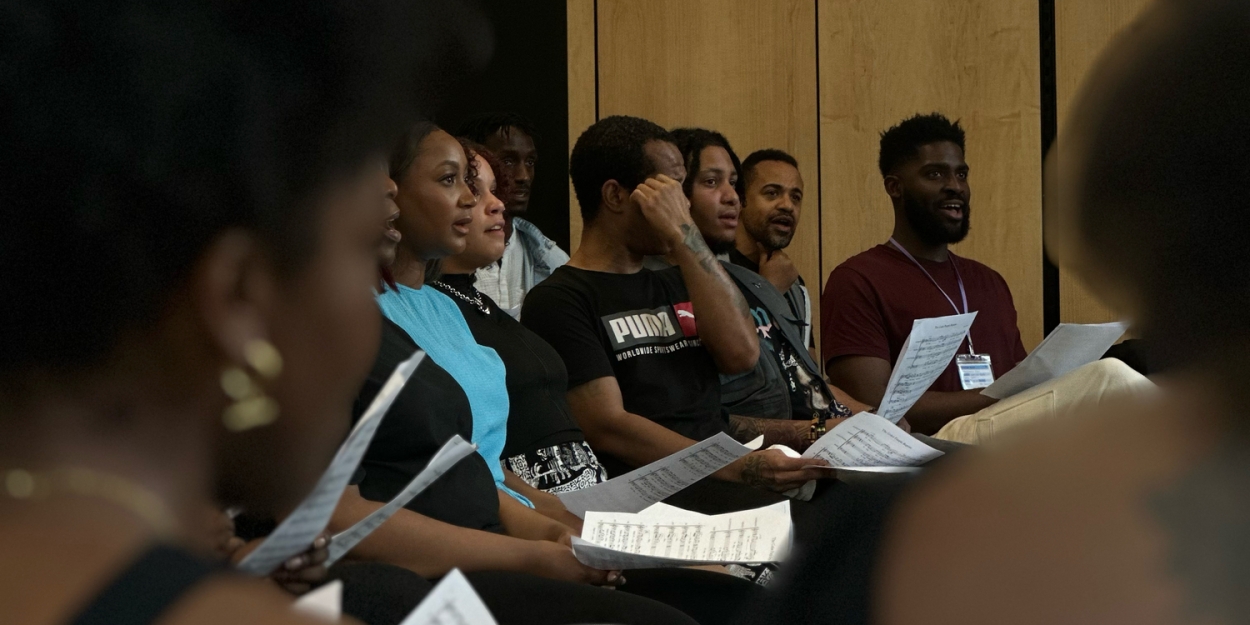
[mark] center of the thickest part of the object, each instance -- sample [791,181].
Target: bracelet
[817,428]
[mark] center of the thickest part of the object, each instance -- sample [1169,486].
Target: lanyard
[958,278]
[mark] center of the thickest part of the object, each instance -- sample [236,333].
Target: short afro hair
[901,143]
[479,128]
[691,142]
[613,148]
[766,154]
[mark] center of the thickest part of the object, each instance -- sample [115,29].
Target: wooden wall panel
[975,60]
[1083,28]
[582,96]
[746,68]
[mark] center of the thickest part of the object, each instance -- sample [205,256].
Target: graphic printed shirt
[639,328]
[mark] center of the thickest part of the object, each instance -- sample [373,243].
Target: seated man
[786,383]
[871,299]
[772,202]
[643,383]
[529,257]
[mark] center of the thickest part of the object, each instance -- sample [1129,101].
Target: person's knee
[1113,374]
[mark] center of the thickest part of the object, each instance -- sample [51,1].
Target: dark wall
[528,74]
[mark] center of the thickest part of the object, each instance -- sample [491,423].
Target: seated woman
[170,222]
[545,448]
[547,452]
[518,560]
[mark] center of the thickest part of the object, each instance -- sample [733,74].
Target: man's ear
[615,197]
[893,186]
[235,288]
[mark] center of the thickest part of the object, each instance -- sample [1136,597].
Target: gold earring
[252,408]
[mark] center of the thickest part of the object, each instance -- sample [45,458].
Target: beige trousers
[1086,386]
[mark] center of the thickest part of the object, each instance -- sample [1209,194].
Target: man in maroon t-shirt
[871,300]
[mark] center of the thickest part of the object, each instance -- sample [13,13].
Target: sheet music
[325,603]
[452,602]
[1069,346]
[295,534]
[620,540]
[926,353]
[866,440]
[642,487]
[453,451]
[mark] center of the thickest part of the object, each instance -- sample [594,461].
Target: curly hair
[503,178]
[902,142]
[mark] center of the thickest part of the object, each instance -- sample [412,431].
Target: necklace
[476,300]
[24,485]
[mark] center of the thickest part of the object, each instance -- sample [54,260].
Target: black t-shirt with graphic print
[639,328]
[809,395]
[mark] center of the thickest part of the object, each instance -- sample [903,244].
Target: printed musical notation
[867,440]
[926,353]
[620,540]
[642,487]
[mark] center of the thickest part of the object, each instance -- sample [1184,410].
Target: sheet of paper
[1069,346]
[452,602]
[295,534]
[661,509]
[620,540]
[926,353]
[453,451]
[866,440]
[642,487]
[325,603]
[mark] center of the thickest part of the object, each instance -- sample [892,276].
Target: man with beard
[785,392]
[871,299]
[772,204]
[530,257]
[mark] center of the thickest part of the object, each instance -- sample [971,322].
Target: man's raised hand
[665,207]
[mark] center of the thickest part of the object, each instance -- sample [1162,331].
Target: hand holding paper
[657,481]
[453,451]
[866,440]
[298,530]
[926,353]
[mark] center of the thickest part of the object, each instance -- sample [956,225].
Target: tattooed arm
[788,432]
[720,311]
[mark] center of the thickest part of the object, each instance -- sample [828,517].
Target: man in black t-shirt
[713,187]
[644,348]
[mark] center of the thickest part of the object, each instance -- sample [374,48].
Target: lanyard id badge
[974,370]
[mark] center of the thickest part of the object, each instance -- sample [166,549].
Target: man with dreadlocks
[530,256]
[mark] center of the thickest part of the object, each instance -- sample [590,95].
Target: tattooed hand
[666,208]
[776,471]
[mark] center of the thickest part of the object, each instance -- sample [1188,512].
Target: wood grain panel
[581,37]
[1083,28]
[973,60]
[746,68]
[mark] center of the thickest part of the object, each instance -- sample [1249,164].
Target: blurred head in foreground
[1151,183]
[194,200]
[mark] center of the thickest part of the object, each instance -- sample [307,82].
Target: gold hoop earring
[252,408]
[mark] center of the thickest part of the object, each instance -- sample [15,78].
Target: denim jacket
[529,259]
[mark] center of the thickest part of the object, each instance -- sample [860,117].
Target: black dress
[545,446]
